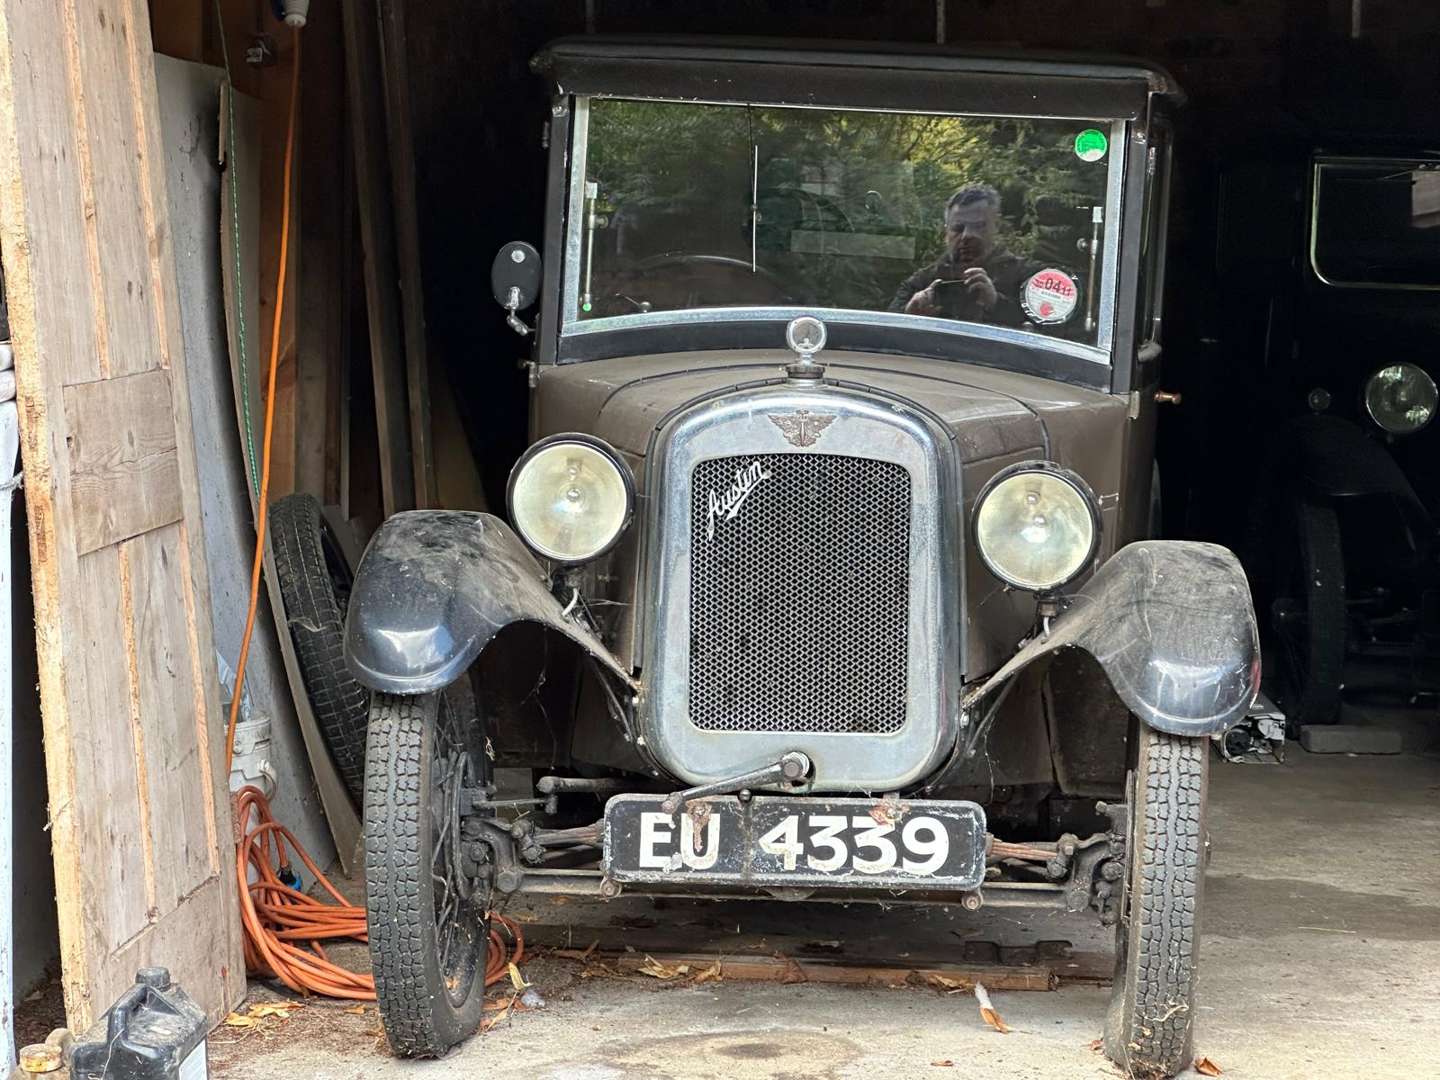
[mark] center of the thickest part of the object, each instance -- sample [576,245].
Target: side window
[1152,241]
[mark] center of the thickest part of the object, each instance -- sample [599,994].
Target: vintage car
[829,572]
[1338,314]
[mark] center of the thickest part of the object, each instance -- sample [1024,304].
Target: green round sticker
[1091,144]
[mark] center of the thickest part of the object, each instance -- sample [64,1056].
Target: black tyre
[426,918]
[1150,1026]
[1309,618]
[315,582]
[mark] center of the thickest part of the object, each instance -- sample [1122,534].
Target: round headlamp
[1037,526]
[571,497]
[1400,398]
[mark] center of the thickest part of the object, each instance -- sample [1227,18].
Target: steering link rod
[791,766]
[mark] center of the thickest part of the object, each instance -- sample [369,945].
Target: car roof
[856,74]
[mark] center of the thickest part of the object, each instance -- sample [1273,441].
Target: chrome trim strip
[741,103]
[574,217]
[1110,273]
[1319,166]
[868,427]
[841,316]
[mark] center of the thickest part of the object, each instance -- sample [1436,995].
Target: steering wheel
[678,280]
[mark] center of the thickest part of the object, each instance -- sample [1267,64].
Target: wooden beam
[322,330]
[178,27]
[377,235]
[404,201]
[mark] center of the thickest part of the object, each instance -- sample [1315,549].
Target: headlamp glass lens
[1401,398]
[570,501]
[1036,530]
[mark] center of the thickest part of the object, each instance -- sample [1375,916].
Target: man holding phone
[975,280]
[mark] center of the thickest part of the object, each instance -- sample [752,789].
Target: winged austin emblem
[803,428]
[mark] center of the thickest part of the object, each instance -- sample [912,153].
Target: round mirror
[515,276]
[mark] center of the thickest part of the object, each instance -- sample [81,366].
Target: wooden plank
[112,165]
[124,465]
[322,331]
[162,679]
[789,969]
[405,202]
[178,27]
[118,890]
[90,283]
[377,237]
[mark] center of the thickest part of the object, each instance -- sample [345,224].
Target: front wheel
[426,914]
[1150,1027]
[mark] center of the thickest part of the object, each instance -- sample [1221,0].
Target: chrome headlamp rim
[1059,472]
[627,478]
[1370,409]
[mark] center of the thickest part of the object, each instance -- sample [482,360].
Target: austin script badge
[725,507]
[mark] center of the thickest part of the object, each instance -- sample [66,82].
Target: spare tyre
[315,581]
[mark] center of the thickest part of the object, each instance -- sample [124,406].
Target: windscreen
[1378,223]
[968,219]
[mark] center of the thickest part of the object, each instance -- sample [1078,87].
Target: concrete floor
[1321,959]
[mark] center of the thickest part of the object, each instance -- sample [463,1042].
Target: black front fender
[434,588]
[1172,625]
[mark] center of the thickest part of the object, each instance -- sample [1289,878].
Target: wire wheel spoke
[459,929]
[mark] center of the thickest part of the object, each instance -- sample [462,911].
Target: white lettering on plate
[725,507]
[654,831]
[689,853]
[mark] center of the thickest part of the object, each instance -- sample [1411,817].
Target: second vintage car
[830,570]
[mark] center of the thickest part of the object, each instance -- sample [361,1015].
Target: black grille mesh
[799,603]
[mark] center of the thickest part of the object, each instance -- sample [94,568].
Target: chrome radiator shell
[760,425]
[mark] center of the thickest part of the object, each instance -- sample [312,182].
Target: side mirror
[515,276]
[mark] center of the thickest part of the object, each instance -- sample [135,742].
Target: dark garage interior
[1295,426]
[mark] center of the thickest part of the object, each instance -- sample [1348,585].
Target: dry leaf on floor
[488,1022]
[235,1020]
[987,1011]
[1206,1067]
[945,982]
[792,972]
[356,1010]
[945,1063]
[657,970]
[1096,1045]
[264,1009]
[516,980]
[712,972]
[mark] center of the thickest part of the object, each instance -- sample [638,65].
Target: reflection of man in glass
[976,279]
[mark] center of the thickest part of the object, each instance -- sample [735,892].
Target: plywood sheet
[189,100]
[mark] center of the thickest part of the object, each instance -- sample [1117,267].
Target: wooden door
[134,734]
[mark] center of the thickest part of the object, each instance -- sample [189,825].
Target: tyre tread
[1157,996]
[317,627]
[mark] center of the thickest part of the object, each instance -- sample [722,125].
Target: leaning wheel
[425,903]
[315,581]
[1150,1025]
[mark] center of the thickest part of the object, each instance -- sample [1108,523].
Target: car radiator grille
[799,594]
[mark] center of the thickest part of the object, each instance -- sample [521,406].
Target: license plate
[850,843]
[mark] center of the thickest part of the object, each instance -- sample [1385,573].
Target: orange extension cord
[285,928]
